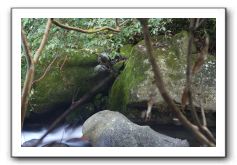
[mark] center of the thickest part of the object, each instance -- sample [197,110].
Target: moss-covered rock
[136,83]
[55,92]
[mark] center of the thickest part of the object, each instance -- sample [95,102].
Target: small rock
[30,143]
[56,144]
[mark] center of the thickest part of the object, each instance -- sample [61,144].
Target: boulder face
[67,80]
[112,129]
[134,86]
[61,82]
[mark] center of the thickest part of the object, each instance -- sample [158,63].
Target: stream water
[72,136]
[64,134]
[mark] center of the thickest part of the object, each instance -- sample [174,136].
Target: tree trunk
[31,62]
[26,91]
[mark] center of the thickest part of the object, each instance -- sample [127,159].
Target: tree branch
[204,121]
[188,72]
[30,73]
[64,61]
[194,23]
[83,30]
[28,78]
[77,104]
[164,93]
[124,22]
[199,22]
[26,48]
[46,70]
[117,22]
[43,41]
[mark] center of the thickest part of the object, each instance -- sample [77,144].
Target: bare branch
[164,93]
[117,22]
[189,74]
[124,22]
[75,94]
[26,48]
[26,91]
[77,104]
[29,77]
[204,127]
[208,134]
[46,70]
[31,69]
[43,41]
[83,30]
[204,121]
[64,61]
[202,56]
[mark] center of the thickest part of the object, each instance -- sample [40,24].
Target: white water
[61,134]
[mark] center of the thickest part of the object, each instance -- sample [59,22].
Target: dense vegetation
[69,42]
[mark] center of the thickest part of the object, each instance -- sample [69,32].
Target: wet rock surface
[56,144]
[30,143]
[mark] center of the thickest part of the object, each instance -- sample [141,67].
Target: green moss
[82,60]
[59,86]
[136,82]
[171,61]
[118,65]
[126,50]
[133,73]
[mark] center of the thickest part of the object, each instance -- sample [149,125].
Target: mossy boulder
[135,84]
[63,84]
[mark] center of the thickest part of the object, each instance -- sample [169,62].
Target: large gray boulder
[112,129]
[132,89]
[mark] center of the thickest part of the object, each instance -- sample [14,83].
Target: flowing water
[63,134]
[72,135]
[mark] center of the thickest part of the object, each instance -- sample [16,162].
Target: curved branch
[83,30]
[43,41]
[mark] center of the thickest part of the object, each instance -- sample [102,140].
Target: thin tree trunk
[189,74]
[26,91]
[31,63]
